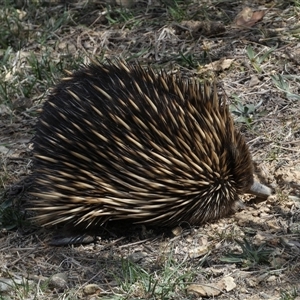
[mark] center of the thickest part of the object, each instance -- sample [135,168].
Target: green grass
[282,82]
[245,113]
[21,288]
[257,60]
[11,216]
[251,255]
[30,74]
[166,282]
[289,295]
[123,16]
[27,71]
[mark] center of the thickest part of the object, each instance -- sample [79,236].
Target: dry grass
[258,68]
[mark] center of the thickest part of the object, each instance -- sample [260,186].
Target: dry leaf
[247,17]
[254,80]
[177,231]
[204,290]
[201,27]
[201,249]
[3,150]
[226,284]
[198,251]
[21,14]
[91,289]
[244,16]
[217,66]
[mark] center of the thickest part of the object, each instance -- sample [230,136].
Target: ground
[252,49]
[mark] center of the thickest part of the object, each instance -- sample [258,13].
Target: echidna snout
[117,141]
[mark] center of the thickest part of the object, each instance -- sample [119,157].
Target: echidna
[117,141]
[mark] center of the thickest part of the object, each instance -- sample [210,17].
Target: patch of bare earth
[257,66]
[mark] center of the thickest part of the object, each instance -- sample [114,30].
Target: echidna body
[118,141]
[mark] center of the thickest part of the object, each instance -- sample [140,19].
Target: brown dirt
[210,46]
